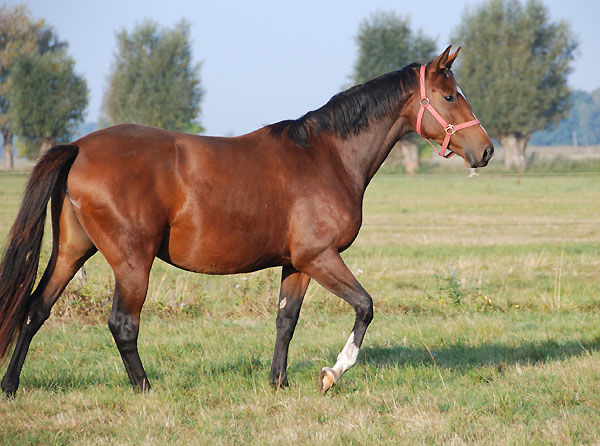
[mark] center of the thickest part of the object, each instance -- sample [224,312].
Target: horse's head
[442,113]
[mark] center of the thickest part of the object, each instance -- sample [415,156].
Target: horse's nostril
[488,152]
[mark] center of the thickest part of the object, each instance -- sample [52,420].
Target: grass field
[486,331]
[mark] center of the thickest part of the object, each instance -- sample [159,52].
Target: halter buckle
[450,129]
[424,102]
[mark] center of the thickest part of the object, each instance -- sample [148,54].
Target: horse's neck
[364,153]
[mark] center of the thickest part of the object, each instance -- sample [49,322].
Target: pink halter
[450,129]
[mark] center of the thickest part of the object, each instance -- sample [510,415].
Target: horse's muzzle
[486,156]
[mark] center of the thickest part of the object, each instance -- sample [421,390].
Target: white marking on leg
[347,357]
[28,320]
[283,303]
[345,360]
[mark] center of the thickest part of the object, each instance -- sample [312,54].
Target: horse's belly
[221,250]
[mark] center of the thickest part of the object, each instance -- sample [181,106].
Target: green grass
[486,331]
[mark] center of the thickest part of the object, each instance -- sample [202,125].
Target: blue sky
[264,61]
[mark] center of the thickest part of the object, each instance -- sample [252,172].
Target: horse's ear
[452,58]
[440,62]
[444,61]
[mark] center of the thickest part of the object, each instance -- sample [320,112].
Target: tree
[19,34]
[47,100]
[580,127]
[387,43]
[514,65]
[153,80]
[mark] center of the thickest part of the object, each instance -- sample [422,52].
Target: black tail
[18,269]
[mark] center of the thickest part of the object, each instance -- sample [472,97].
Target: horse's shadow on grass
[462,356]
[456,356]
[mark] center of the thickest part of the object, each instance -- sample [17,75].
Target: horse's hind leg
[131,284]
[71,248]
[129,247]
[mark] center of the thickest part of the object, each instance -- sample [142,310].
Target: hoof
[9,389]
[279,383]
[144,387]
[9,392]
[326,380]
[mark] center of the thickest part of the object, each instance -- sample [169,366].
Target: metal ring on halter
[424,102]
[450,129]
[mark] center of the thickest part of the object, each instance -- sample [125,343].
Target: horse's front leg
[291,294]
[329,270]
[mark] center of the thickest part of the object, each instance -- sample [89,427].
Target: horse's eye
[450,98]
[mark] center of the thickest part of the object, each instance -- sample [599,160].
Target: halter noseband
[451,129]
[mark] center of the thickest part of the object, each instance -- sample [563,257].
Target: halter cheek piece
[451,129]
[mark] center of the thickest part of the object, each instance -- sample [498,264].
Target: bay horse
[289,194]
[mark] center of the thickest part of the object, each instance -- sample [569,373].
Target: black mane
[350,111]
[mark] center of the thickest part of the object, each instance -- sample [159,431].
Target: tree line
[580,127]
[152,81]
[41,98]
[513,67]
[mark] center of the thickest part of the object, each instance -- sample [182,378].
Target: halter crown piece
[451,129]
